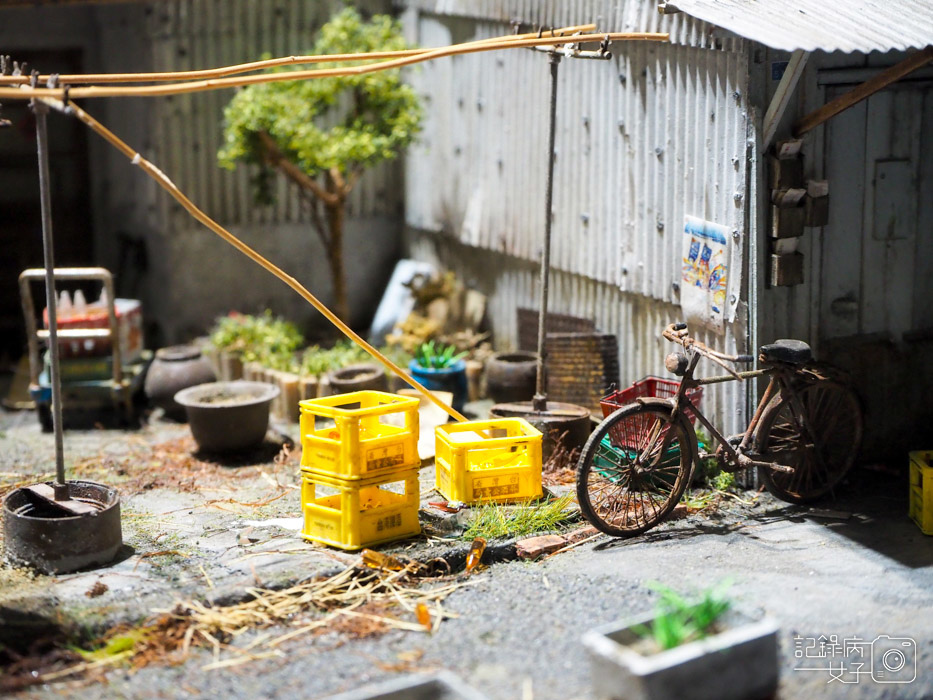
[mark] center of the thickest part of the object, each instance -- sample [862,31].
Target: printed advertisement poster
[705,273]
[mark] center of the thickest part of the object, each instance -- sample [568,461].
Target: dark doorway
[20,218]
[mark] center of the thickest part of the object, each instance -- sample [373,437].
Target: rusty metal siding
[609,15]
[644,139]
[189,34]
[635,320]
[656,133]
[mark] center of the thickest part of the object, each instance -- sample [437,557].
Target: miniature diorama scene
[406,350]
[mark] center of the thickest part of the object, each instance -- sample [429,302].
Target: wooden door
[876,270]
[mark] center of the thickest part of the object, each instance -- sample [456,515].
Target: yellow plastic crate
[921,490]
[356,514]
[488,461]
[367,433]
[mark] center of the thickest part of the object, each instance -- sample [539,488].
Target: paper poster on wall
[705,273]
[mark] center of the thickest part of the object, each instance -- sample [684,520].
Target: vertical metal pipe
[41,110]
[540,399]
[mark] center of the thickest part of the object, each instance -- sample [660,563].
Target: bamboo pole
[163,180]
[24,92]
[863,91]
[207,73]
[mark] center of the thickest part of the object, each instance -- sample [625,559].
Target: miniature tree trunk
[335,218]
[323,133]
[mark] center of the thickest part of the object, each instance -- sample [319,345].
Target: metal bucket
[38,534]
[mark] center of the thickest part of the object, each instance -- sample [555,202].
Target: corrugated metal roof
[609,15]
[827,25]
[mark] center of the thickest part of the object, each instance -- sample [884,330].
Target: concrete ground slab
[864,572]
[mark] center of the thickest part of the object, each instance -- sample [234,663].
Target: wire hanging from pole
[24,93]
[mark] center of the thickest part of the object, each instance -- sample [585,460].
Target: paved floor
[864,573]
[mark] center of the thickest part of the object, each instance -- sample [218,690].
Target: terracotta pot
[511,376]
[228,416]
[173,369]
[361,377]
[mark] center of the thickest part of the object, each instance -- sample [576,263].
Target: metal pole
[41,110]
[540,400]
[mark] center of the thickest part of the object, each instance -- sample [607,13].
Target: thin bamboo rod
[207,73]
[863,91]
[25,93]
[163,180]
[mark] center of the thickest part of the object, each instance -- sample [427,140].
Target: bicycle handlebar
[677,333]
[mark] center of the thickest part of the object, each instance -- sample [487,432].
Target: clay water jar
[175,368]
[511,376]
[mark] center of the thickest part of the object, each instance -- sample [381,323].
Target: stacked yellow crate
[496,461]
[920,507]
[359,469]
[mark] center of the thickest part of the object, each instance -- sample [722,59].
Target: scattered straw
[357,602]
[162,553]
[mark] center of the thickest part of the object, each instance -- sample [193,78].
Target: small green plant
[117,647]
[265,338]
[316,361]
[431,356]
[679,621]
[699,500]
[723,481]
[494,520]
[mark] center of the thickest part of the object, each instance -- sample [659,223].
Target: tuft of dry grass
[560,468]
[357,603]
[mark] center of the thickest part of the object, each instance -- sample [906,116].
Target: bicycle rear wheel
[634,469]
[833,418]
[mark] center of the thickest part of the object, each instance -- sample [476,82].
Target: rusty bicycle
[803,437]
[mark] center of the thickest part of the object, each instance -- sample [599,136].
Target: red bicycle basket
[649,387]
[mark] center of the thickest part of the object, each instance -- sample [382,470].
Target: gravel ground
[517,634]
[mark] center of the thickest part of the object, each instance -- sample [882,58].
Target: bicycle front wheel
[820,445]
[634,469]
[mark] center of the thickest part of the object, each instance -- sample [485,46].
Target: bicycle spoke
[820,443]
[630,474]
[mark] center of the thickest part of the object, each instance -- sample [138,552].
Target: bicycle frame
[735,457]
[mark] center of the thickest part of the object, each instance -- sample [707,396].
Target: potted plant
[243,338]
[441,368]
[692,650]
[228,416]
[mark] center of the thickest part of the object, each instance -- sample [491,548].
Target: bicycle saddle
[794,352]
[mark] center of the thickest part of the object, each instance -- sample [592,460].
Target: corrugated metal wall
[657,133]
[609,15]
[188,34]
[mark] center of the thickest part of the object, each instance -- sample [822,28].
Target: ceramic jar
[175,368]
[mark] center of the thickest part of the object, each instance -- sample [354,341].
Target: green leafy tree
[323,133]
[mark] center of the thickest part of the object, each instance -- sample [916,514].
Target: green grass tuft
[496,521]
[679,621]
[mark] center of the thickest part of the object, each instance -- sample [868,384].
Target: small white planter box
[438,686]
[740,663]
